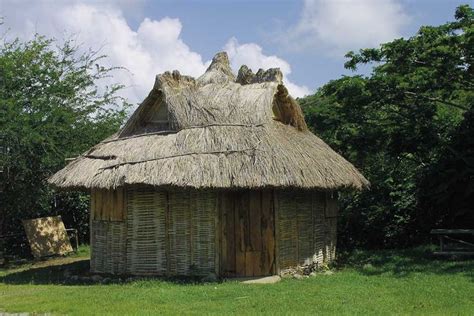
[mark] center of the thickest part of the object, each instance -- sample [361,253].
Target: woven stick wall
[108,231]
[108,247]
[171,233]
[146,232]
[191,232]
[306,232]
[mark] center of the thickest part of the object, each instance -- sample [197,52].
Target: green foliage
[447,187]
[395,125]
[51,108]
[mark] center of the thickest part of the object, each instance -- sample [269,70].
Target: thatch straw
[221,134]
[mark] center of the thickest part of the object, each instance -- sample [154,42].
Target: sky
[306,39]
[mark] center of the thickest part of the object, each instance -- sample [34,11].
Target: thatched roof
[216,131]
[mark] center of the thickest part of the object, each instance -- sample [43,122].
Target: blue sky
[307,39]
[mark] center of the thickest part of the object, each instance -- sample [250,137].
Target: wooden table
[461,247]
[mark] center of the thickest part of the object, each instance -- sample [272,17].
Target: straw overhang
[221,132]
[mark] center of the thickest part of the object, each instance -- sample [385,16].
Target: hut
[218,174]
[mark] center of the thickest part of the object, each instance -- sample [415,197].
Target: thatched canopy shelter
[225,163]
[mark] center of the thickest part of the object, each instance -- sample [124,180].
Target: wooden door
[248,234]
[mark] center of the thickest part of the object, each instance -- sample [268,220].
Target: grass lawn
[385,282]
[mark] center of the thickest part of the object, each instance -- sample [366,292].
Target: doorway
[247,233]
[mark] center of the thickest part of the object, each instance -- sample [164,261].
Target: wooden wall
[108,205]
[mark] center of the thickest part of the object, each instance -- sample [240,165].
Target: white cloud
[252,55]
[336,26]
[154,47]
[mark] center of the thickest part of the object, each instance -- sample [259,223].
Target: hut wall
[306,223]
[177,232]
[161,233]
[108,231]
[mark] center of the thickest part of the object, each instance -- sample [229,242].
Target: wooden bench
[449,245]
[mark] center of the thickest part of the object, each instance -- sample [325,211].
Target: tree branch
[459,106]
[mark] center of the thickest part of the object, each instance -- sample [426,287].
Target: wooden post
[277,232]
[218,235]
[167,237]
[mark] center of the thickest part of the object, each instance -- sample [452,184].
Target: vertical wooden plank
[253,256]
[241,215]
[167,237]
[92,205]
[268,234]
[98,204]
[250,258]
[255,221]
[192,208]
[217,236]
[120,204]
[245,214]
[111,204]
[223,233]
[276,215]
[115,202]
[106,204]
[230,229]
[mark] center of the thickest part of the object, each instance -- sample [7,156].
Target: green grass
[385,282]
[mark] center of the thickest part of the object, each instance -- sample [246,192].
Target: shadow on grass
[78,273]
[398,263]
[404,263]
[53,274]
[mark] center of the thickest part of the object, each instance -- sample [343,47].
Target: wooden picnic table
[445,236]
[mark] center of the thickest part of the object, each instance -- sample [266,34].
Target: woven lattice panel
[171,233]
[146,232]
[179,233]
[203,231]
[287,230]
[305,233]
[319,227]
[108,247]
[332,210]
[304,218]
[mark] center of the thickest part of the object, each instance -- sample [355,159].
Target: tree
[396,123]
[51,108]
